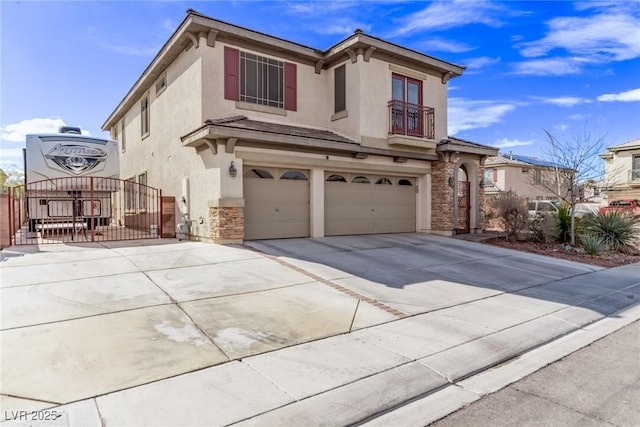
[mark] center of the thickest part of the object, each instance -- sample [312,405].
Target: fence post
[160,213]
[93,224]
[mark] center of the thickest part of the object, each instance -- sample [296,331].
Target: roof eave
[468,149]
[207,134]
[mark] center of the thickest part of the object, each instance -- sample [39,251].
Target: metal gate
[83,209]
[464,207]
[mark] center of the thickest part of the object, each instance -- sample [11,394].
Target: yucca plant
[617,229]
[563,222]
[593,244]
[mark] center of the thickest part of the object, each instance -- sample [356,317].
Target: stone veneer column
[226,220]
[442,197]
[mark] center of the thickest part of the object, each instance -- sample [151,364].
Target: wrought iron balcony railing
[411,120]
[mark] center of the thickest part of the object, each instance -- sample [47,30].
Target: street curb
[438,405]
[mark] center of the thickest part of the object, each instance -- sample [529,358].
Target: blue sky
[556,65]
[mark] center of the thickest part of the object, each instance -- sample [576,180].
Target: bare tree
[575,160]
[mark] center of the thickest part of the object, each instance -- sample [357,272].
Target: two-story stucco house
[622,170]
[529,177]
[260,137]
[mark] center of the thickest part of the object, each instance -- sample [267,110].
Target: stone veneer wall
[226,224]
[441,198]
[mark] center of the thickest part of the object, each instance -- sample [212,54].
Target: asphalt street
[596,386]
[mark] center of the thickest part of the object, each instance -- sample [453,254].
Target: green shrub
[545,229]
[616,229]
[593,244]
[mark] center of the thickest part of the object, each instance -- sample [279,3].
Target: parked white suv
[538,208]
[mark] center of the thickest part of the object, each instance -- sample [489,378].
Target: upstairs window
[407,112]
[537,176]
[635,168]
[340,89]
[259,80]
[144,116]
[123,136]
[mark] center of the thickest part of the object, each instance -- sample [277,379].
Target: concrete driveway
[277,332]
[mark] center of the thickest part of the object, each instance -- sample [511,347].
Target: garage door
[367,204]
[276,203]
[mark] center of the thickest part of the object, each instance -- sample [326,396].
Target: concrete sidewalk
[196,334]
[595,386]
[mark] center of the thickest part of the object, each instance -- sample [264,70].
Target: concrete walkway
[327,331]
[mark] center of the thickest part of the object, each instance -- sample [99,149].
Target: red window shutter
[231,74]
[290,87]
[495,175]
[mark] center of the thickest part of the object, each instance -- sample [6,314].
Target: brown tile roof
[242,122]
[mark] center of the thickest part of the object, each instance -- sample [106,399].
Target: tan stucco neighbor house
[622,170]
[259,137]
[529,177]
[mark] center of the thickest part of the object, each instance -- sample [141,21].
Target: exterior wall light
[451,181]
[232,170]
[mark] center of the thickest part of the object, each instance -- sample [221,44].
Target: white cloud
[130,50]
[442,15]
[442,45]
[483,61]
[10,158]
[13,136]
[318,7]
[578,117]
[599,38]
[564,101]
[548,67]
[632,95]
[343,27]
[507,143]
[467,114]
[16,132]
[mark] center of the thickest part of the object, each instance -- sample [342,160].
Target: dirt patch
[609,259]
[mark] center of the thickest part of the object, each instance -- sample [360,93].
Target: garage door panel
[276,208]
[361,208]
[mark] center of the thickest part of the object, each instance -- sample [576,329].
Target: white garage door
[276,203]
[367,204]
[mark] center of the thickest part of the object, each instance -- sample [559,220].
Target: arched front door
[464,201]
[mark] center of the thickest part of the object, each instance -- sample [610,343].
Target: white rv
[69,179]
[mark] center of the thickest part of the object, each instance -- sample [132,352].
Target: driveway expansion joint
[331,284]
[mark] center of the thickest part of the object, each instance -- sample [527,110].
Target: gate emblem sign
[76,159]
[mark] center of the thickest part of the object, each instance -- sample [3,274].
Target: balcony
[412,120]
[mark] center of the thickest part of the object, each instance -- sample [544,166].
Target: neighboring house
[259,137]
[594,191]
[622,170]
[528,177]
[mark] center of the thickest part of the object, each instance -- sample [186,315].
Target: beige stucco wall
[512,178]
[315,101]
[174,112]
[368,90]
[618,167]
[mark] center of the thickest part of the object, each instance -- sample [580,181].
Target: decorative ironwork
[83,209]
[464,207]
[411,119]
